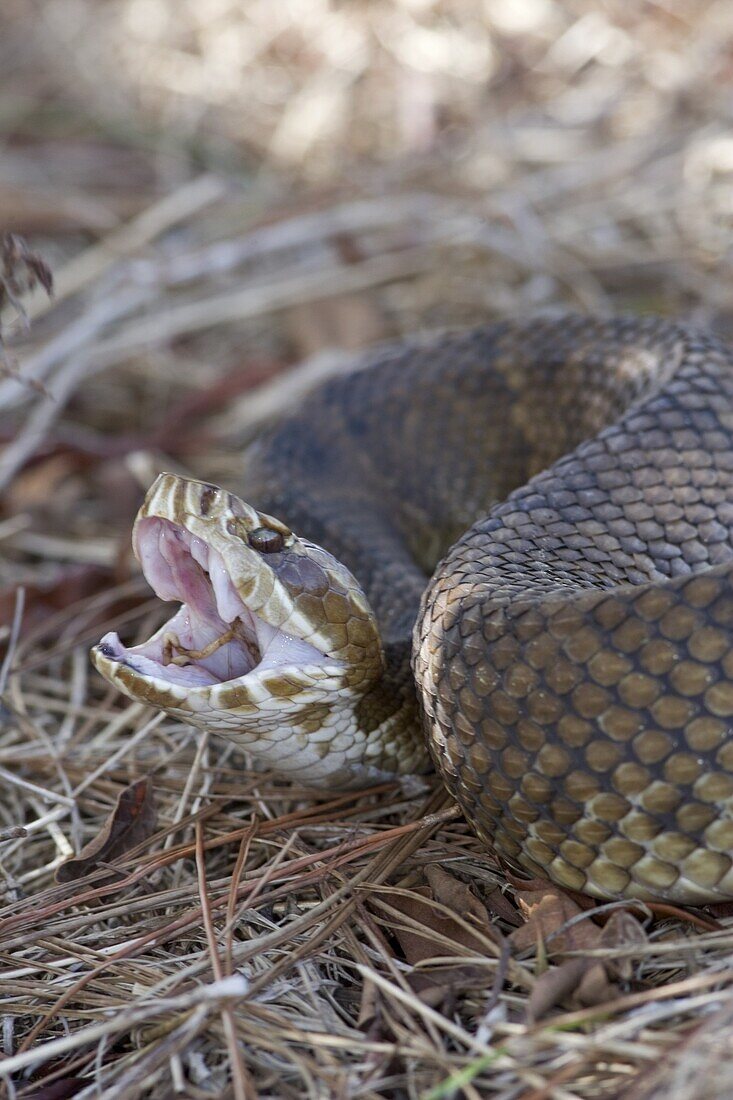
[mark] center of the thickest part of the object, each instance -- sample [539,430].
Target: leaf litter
[219,245]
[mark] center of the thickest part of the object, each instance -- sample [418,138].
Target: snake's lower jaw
[300,720]
[246,708]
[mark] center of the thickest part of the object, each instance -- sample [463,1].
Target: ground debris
[131,821]
[235,199]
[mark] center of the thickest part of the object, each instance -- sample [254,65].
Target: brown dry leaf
[622,929]
[351,322]
[500,905]
[582,981]
[131,821]
[545,914]
[456,895]
[418,947]
[38,486]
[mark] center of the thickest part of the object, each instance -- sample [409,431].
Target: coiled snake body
[572,654]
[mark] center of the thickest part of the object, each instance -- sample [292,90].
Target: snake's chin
[213,639]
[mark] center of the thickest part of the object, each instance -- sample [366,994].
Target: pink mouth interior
[213,618]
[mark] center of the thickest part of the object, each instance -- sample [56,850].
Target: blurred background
[236,196]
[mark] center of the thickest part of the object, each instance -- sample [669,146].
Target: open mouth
[214,637]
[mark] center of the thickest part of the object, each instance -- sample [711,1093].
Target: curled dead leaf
[622,929]
[457,896]
[428,942]
[546,919]
[581,982]
[131,821]
[558,925]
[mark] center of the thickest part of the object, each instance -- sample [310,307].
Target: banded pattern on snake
[568,663]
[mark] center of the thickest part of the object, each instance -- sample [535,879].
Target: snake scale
[568,663]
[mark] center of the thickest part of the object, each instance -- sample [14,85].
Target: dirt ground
[234,198]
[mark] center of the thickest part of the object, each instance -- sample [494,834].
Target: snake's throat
[214,638]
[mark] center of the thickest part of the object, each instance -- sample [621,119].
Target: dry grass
[235,198]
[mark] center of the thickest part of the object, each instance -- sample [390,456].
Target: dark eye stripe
[266,540]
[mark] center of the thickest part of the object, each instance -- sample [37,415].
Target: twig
[241,1080]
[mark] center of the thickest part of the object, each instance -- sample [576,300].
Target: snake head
[274,642]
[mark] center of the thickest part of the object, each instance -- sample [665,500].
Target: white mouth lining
[214,637]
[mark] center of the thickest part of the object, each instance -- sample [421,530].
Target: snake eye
[266,540]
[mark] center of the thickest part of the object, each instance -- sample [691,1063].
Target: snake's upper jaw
[214,637]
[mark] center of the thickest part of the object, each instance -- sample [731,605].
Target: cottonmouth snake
[571,653]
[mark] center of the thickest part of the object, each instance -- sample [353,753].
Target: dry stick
[234,987]
[13,639]
[302,818]
[420,829]
[353,1041]
[270,872]
[75,1066]
[67,343]
[197,315]
[33,788]
[341,854]
[244,846]
[203,743]
[243,1087]
[421,1009]
[52,624]
[548,1090]
[120,753]
[137,1080]
[410,838]
[272,939]
[443,912]
[16,454]
[285,1050]
[30,906]
[302,231]
[309,816]
[442,223]
[87,637]
[98,551]
[633,1000]
[376,937]
[87,267]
